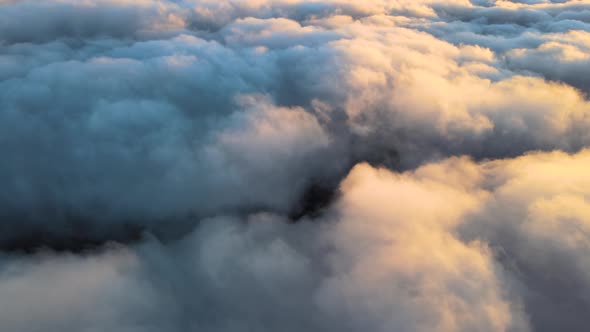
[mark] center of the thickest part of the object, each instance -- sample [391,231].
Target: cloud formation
[320,165]
[451,246]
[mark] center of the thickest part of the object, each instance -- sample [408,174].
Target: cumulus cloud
[420,250]
[542,232]
[294,165]
[385,258]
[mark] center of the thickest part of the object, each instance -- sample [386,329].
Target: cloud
[562,57]
[385,257]
[542,232]
[420,250]
[87,19]
[294,165]
[378,92]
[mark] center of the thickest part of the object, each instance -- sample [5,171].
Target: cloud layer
[451,246]
[286,165]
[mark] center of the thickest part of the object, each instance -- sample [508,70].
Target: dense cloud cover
[291,165]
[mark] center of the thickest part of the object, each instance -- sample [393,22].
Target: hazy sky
[292,165]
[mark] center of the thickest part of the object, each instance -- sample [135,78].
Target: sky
[294,165]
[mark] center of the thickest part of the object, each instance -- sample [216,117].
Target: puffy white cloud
[213,125]
[452,246]
[385,257]
[538,222]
